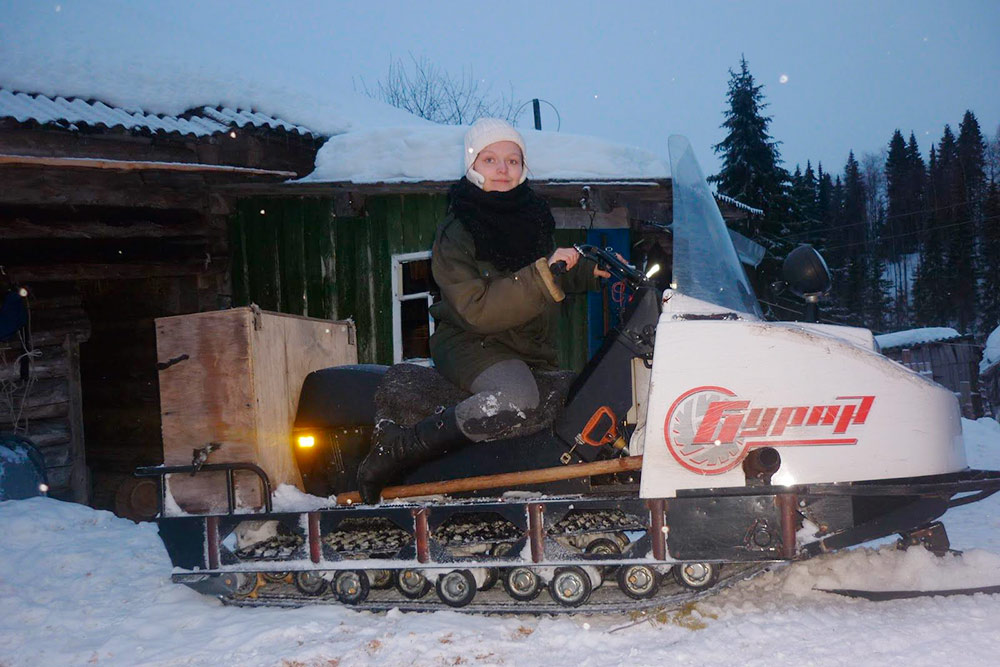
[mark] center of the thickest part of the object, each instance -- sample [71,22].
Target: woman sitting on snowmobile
[496,319]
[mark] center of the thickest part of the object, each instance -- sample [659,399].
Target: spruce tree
[751,163]
[809,193]
[989,305]
[897,177]
[824,207]
[918,195]
[803,225]
[904,174]
[956,218]
[931,295]
[851,247]
[963,255]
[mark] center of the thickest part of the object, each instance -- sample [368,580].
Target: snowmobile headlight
[306,441]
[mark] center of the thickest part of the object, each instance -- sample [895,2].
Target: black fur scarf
[511,229]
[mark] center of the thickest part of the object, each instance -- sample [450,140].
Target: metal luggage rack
[229,468]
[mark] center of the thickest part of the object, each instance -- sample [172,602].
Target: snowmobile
[700,445]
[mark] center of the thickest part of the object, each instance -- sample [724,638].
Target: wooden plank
[503,480]
[292,250]
[434,212]
[51,362]
[52,187]
[314,228]
[79,486]
[261,263]
[134,165]
[99,271]
[43,393]
[395,212]
[328,258]
[366,302]
[97,223]
[206,396]
[285,350]
[49,432]
[60,485]
[345,268]
[381,282]
[238,272]
[354,274]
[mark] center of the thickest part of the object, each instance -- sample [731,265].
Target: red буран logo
[709,430]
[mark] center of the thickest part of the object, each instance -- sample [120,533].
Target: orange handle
[610,435]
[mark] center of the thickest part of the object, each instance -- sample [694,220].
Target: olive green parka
[486,315]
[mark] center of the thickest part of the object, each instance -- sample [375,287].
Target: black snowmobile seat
[409,393]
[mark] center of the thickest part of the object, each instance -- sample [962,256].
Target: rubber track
[605,599]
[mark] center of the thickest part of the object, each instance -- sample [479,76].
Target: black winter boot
[398,449]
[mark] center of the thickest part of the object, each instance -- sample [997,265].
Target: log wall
[104,252]
[46,406]
[953,364]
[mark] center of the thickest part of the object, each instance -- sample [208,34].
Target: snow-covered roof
[738,204]
[991,354]
[73,113]
[434,153]
[912,337]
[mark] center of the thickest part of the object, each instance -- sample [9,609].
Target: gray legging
[500,396]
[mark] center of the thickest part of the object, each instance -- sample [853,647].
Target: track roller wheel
[457,588]
[639,582]
[492,577]
[522,583]
[275,577]
[380,579]
[310,582]
[602,547]
[412,584]
[493,573]
[351,586]
[696,576]
[570,586]
[242,584]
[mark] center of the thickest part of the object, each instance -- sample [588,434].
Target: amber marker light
[306,441]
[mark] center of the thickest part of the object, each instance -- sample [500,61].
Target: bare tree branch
[428,91]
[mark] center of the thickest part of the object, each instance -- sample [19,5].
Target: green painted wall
[293,255]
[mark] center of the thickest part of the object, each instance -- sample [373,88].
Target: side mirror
[806,273]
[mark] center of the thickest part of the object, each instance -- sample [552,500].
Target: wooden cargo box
[234,377]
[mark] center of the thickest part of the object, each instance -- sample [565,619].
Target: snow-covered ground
[83,587]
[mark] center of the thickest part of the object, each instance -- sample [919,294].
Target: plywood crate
[234,377]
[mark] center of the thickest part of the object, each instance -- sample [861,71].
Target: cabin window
[413,292]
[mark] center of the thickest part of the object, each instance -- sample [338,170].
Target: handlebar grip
[558,268]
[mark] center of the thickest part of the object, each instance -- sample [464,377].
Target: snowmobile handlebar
[608,260]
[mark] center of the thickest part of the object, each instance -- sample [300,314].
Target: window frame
[397,300]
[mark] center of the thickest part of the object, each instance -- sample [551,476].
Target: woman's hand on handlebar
[601,273]
[568,255]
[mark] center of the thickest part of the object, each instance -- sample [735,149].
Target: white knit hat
[484,132]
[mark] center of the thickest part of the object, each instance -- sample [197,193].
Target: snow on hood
[916,337]
[434,153]
[991,354]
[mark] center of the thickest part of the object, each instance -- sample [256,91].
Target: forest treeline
[910,241]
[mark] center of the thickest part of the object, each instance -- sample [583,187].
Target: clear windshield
[706,265]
